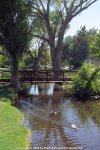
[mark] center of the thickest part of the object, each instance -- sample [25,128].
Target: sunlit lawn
[13,134]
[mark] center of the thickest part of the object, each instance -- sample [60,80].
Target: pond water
[57,130]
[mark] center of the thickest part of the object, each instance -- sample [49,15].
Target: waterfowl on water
[53,113]
[74,126]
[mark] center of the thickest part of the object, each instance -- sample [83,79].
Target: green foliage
[4,60]
[76,48]
[44,60]
[95,46]
[67,50]
[87,82]
[85,44]
[7,94]
[56,17]
[15,28]
[81,48]
[1,59]
[26,62]
[15,32]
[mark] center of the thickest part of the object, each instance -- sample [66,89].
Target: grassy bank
[7,94]
[13,134]
[68,89]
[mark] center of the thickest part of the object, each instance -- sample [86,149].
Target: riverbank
[68,91]
[13,134]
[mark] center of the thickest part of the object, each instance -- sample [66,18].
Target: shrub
[86,82]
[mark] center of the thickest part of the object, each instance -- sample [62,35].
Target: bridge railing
[39,75]
[46,75]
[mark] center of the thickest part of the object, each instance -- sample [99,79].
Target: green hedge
[87,81]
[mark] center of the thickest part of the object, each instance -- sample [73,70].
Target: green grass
[5,73]
[13,134]
[4,69]
[68,88]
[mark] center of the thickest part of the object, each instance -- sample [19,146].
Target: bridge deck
[39,75]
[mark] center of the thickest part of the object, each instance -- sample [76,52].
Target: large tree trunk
[14,75]
[56,61]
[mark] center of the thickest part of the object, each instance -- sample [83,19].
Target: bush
[87,81]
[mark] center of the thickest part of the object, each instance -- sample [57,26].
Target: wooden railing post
[47,75]
[31,75]
[63,75]
[1,75]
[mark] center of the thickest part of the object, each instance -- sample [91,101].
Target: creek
[56,130]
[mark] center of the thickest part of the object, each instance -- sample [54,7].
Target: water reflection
[34,90]
[87,110]
[56,130]
[44,89]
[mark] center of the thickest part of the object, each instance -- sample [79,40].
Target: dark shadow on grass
[6,93]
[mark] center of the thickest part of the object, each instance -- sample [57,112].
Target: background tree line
[84,45]
[76,49]
[23,20]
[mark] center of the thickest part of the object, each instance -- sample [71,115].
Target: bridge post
[31,75]
[47,75]
[63,75]
[1,75]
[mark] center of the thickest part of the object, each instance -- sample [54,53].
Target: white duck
[74,126]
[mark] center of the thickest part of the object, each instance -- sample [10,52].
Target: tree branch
[71,13]
[41,37]
[42,6]
[48,6]
[82,8]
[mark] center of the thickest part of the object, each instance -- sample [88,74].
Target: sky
[89,17]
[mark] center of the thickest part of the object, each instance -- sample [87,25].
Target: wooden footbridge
[30,75]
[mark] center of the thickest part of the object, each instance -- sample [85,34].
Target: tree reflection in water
[56,130]
[88,109]
[47,130]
